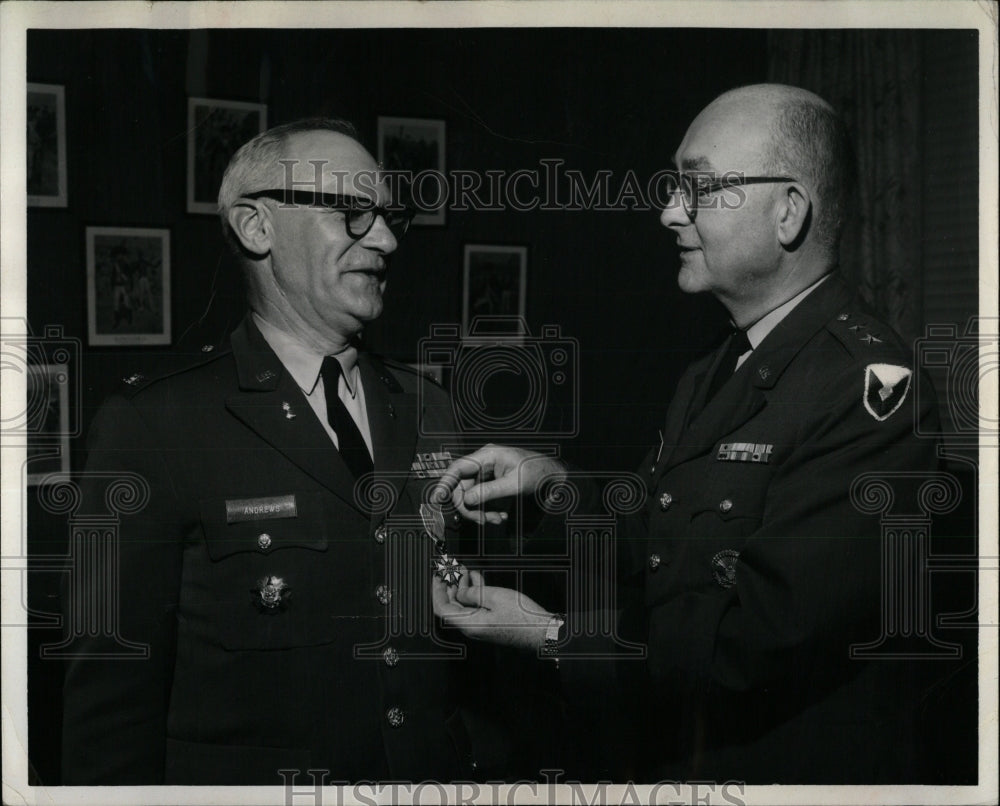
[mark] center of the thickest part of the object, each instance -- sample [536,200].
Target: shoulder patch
[886,386]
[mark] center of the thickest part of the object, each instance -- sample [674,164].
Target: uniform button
[396,717]
[390,656]
[665,501]
[654,561]
[383,594]
[843,317]
[264,540]
[725,505]
[381,533]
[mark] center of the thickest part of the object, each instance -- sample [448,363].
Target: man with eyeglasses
[279,553]
[754,574]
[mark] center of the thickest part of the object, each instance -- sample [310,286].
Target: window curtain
[873,78]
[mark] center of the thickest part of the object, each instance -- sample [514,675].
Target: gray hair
[254,166]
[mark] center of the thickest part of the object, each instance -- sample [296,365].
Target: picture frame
[46,145]
[216,129]
[494,281]
[128,286]
[416,148]
[48,422]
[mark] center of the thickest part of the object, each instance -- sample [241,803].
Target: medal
[446,568]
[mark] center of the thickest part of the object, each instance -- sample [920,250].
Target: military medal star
[447,569]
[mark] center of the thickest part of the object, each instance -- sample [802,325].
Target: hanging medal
[446,568]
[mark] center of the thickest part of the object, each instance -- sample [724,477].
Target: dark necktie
[738,344]
[352,444]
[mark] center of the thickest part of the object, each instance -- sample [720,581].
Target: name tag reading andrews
[253,509]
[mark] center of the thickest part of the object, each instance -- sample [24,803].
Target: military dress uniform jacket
[281,607]
[755,573]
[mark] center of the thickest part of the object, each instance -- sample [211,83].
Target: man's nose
[380,237]
[674,214]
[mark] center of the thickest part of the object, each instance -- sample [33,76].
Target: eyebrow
[696,164]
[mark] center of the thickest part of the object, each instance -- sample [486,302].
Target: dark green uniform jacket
[756,567]
[281,607]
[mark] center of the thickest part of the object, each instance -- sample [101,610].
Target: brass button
[383,594]
[665,501]
[654,561]
[843,317]
[381,533]
[390,656]
[725,505]
[264,540]
[396,717]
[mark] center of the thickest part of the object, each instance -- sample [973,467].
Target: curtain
[873,78]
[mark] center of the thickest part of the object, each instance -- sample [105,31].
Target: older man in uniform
[264,574]
[758,574]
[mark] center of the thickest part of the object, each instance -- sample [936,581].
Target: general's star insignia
[886,386]
[869,338]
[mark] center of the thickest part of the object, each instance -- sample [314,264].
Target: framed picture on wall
[416,146]
[128,286]
[216,129]
[46,145]
[494,281]
[48,422]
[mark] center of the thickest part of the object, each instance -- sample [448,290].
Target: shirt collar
[304,364]
[758,331]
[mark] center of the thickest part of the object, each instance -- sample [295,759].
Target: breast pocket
[268,577]
[730,503]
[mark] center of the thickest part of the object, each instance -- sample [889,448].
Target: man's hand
[500,615]
[495,471]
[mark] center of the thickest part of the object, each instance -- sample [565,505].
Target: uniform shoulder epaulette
[135,382]
[410,370]
[867,338]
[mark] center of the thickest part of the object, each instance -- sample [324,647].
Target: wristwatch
[550,647]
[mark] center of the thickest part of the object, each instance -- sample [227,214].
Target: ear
[794,214]
[251,221]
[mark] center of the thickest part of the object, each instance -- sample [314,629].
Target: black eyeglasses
[695,189]
[359,212]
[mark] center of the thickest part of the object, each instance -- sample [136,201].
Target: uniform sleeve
[807,581]
[115,704]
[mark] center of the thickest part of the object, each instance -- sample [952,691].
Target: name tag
[252,509]
[759,452]
[430,465]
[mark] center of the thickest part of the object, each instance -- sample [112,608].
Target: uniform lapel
[393,419]
[272,405]
[743,397]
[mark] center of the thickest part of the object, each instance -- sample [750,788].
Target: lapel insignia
[430,465]
[886,386]
[287,408]
[264,376]
[764,372]
[271,594]
[758,452]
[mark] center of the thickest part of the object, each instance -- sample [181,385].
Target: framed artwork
[128,286]
[45,150]
[416,146]
[494,282]
[48,423]
[216,129]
